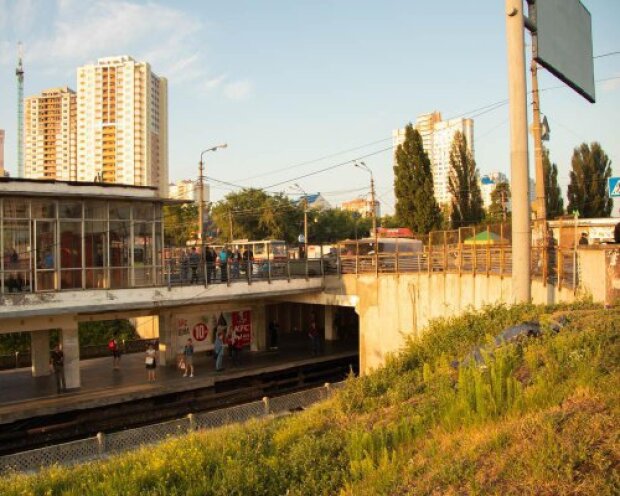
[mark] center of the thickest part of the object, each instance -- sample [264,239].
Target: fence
[103,445]
[24,359]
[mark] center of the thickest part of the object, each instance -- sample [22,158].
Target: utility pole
[306,226]
[521,232]
[19,73]
[201,191]
[230,225]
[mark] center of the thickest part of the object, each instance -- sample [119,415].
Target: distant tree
[416,206]
[389,221]
[257,215]
[331,225]
[463,185]
[500,197]
[180,223]
[588,190]
[554,202]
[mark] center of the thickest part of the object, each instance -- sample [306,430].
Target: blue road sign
[614,186]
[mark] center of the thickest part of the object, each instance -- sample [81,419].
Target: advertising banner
[203,327]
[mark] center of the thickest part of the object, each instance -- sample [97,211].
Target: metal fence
[103,445]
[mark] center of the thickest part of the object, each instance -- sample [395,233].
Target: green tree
[588,190]
[257,215]
[333,225]
[554,204]
[416,206]
[500,197]
[463,185]
[180,223]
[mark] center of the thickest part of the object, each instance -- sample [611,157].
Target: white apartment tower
[122,109]
[437,136]
[50,135]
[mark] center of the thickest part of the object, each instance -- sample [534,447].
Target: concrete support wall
[147,327]
[259,328]
[40,352]
[71,350]
[167,340]
[331,333]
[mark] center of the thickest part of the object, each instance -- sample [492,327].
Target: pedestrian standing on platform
[194,260]
[273,334]
[115,349]
[210,261]
[218,349]
[150,361]
[237,346]
[583,241]
[184,262]
[313,334]
[57,364]
[188,358]
[224,265]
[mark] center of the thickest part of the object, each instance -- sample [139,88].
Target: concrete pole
[71,349]
[541,209]
[521,232]
[201,201]
[40,353]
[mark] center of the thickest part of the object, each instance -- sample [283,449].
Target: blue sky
[286,82]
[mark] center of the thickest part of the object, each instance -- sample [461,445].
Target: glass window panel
[143,243]
[96,210]
[120,211]
[70,245]
[43,209]
[70,210]
[45,244]
[16,208]
[119,254]
[17,252]
[142,211]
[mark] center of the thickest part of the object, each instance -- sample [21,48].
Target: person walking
[273,334]
[237,346]
[57,365]
[188,358]
[194,260]
[114,348]
[218,349]
[150,360]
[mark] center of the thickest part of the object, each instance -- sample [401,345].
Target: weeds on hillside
[539,416]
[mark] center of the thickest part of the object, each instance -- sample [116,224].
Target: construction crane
[19,73]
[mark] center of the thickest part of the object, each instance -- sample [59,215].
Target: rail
[103,445]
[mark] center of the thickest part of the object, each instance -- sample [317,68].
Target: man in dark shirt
[57,364]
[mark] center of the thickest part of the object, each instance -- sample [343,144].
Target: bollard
[192,422]
[101,443]
[328,389]
[17,359]
[266,404]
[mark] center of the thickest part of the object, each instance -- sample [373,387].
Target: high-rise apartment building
[488,183]
[122,109]
[50,135]
[362,206]
[1,152]
[186,189]
[437,136]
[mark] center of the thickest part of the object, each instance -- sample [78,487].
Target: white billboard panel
[563,43]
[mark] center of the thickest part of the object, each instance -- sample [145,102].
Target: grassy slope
[541,418]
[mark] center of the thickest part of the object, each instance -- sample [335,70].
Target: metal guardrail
[24,359]
[103,445]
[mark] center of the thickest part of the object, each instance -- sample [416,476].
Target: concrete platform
[23,396]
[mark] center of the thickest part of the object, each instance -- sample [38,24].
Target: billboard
[203,327]
[563,43]
[614,187]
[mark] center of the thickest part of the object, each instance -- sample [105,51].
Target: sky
[298,86]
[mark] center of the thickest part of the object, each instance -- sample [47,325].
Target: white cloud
[215,82]
[238,90]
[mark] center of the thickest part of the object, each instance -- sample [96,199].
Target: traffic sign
[614,186]
[200,331]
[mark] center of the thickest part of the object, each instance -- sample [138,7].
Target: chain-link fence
[103,445]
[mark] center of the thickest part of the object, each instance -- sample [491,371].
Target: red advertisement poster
[242,325]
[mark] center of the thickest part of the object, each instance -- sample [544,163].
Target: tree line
[417,208]
[254,214]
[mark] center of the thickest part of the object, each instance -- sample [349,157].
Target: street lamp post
[305,218]
[362,165]
[201,191]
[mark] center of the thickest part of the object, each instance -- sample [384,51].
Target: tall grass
[539,417]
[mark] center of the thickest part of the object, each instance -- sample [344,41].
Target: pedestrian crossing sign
[614,186]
